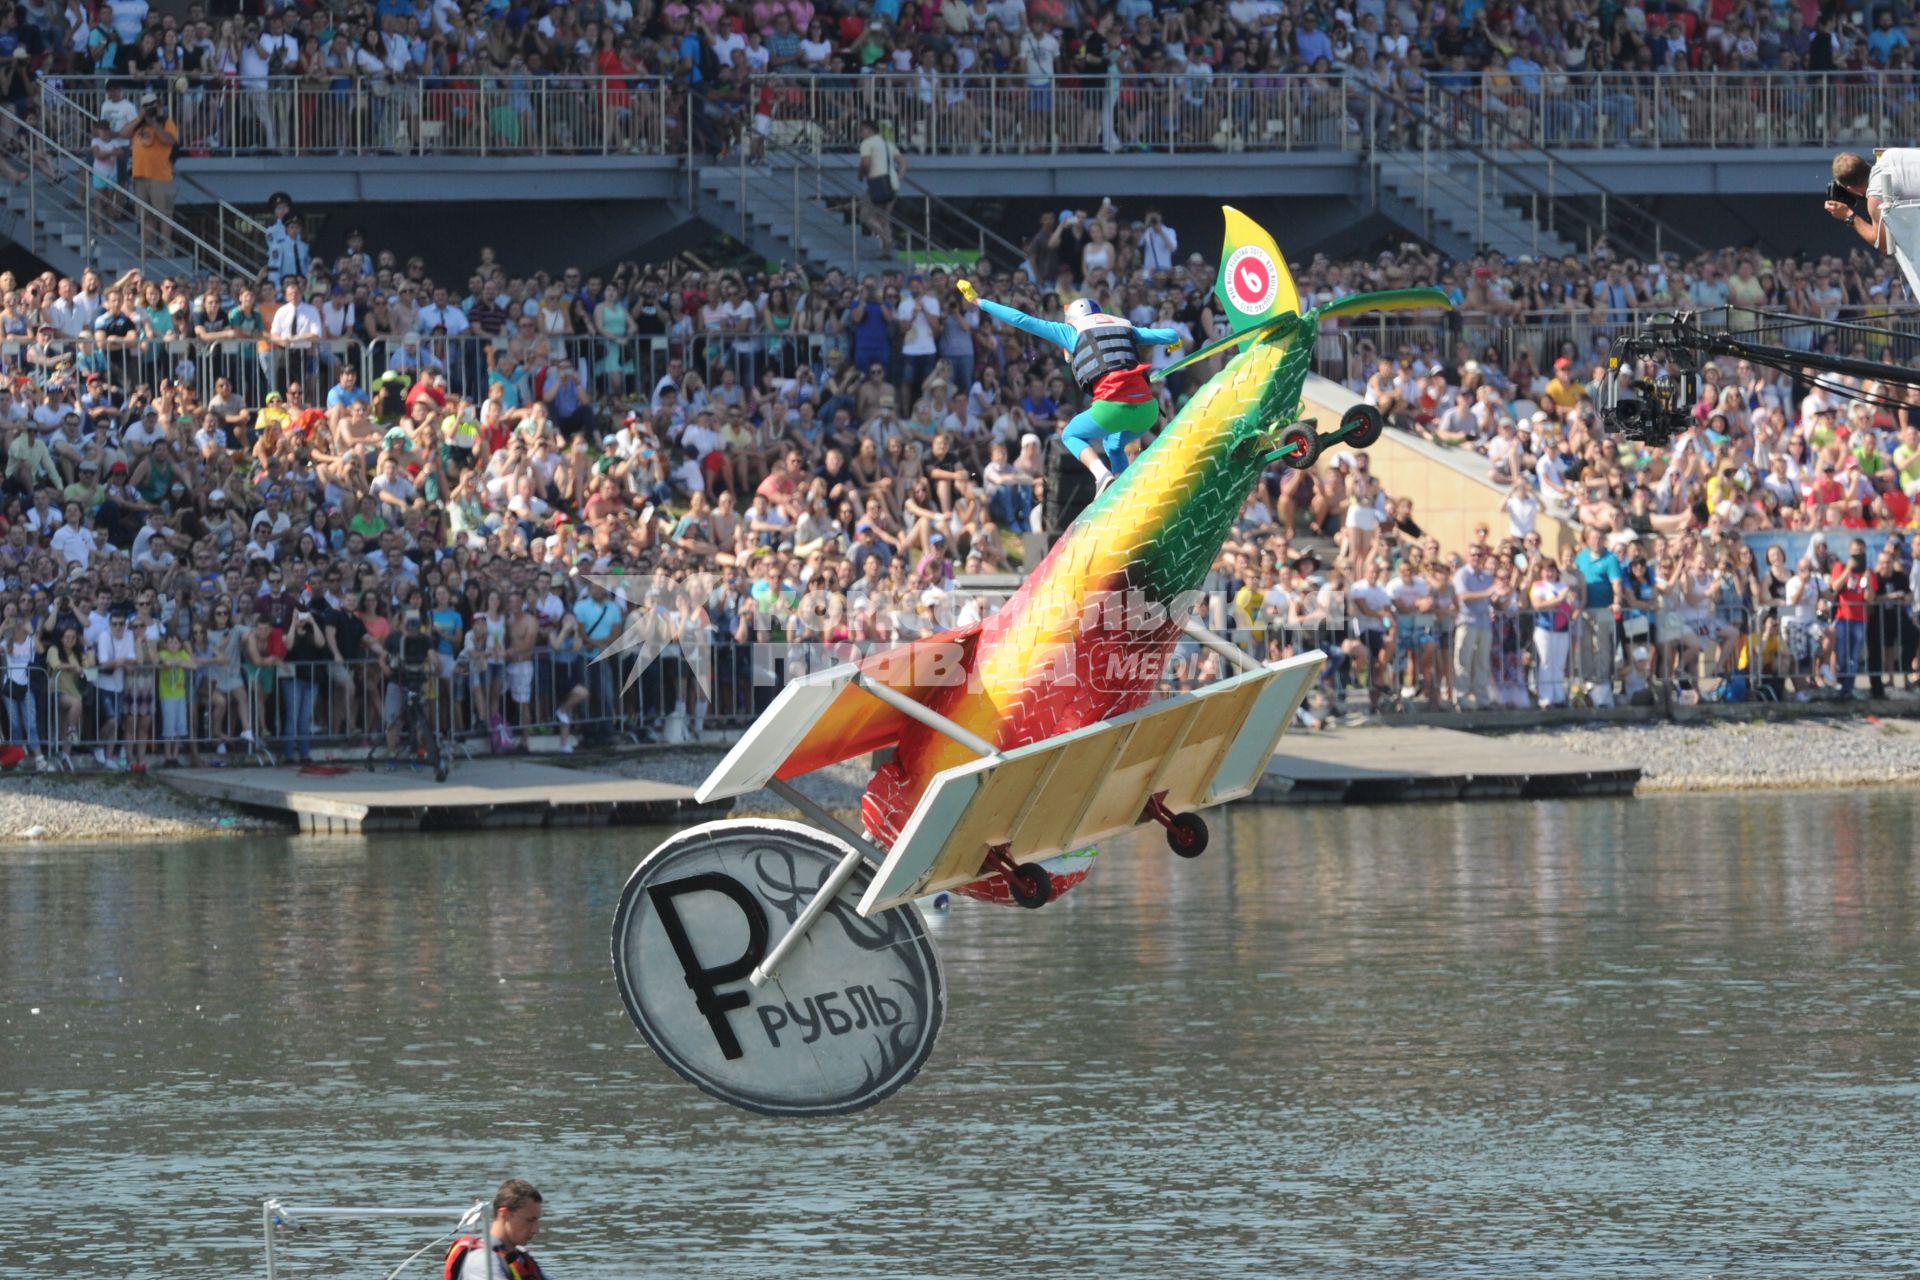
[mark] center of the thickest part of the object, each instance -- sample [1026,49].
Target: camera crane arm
[1654,407]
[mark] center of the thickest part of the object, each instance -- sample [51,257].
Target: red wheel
[1362,426]
[1030,885]
[1187,835]
[1299,445]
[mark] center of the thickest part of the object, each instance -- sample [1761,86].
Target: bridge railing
[957,114]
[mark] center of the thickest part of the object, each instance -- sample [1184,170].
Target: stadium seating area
[810,467]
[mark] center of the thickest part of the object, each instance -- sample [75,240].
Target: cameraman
[1891,186]
[308,653]
[407,662]
[155,143]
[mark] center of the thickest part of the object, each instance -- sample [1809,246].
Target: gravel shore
[1723,756]
[91,808]
[1733,755]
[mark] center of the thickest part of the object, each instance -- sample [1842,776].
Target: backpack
[457,1255]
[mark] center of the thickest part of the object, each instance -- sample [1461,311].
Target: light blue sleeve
[1060,335]
[1156,337]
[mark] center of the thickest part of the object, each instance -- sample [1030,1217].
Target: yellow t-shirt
[1906,457]
[171,682]
[1565,394]
[153,151]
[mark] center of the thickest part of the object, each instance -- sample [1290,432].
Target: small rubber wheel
[1030,885]
[1304,443]
[1187,836]
[1363,425]
[441,766]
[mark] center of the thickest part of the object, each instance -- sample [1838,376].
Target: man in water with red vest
[516,1220]
[1103,352]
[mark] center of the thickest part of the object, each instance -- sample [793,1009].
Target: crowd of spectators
[219,504]
[726,62]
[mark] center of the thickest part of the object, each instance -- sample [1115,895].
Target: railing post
[742,156]
[1426,184]
[1480,203]
[1053,117]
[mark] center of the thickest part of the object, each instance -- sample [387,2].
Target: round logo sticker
[1250,275]
[848,1017]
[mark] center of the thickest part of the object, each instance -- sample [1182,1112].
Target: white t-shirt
[877,160]
[1523,509]
[1896,176]
[918,316]
[1406,596]
[74,544]
[119,113]
[106,164]
[1365,593]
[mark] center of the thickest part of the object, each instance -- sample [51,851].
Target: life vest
[519,1263]
[1103,345]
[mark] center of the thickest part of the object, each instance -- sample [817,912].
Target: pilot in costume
[1103,352]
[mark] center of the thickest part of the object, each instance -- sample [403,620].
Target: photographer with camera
[308,653]
[1891,187]
[155,142]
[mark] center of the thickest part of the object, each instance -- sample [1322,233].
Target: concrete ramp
[1375,764]
[1451,488]
[479,794]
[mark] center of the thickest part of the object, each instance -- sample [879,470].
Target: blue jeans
[296,703]
[1010,505]
[1850,645]
[23,718]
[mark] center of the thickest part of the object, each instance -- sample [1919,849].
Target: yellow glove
[967,291]
[1173,348]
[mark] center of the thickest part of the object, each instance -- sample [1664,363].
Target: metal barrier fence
[233,711]
[1653,652]
[610,369]
[940,113]
[1348,349]
[619,369]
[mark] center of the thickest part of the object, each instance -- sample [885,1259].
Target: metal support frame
[829,888]
[862,846]
[1221,645]
[927,716]
[273,1213]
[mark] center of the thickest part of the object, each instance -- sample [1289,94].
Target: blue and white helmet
[1080,309]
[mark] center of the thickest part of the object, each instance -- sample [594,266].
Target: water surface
[1675,1036]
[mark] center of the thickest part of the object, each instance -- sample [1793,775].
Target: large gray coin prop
[850,1014]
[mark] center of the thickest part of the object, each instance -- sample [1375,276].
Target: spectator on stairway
[155,139]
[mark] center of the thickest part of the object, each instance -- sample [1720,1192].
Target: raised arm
[1060,335]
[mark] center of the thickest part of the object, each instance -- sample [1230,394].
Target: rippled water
[1675,1036]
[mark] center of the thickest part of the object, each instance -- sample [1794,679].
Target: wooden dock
[1376,764]
[480,794]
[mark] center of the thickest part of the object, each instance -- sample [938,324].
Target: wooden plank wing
[824,717]
[1072,791]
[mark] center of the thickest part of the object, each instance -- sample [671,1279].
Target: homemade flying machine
[784,967]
